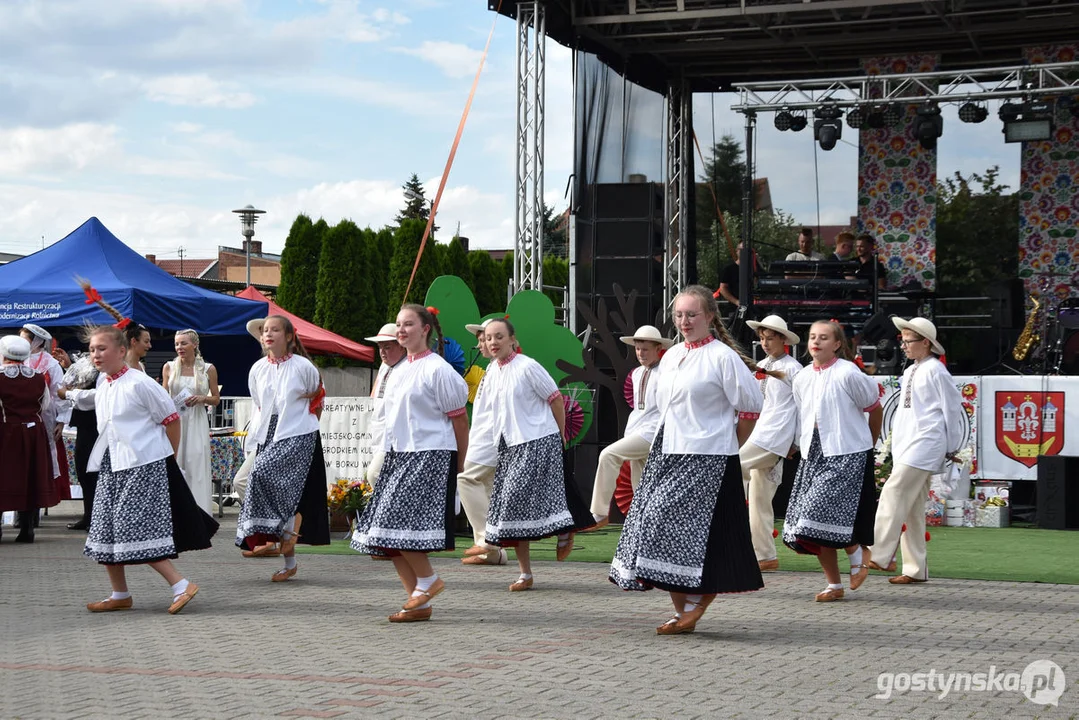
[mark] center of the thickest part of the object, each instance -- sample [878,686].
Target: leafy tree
[724,171]
[300,267]
[377,275]
[487,282]
[507,268]
[977,233]
[416,205]
[406,246]
[555,234]
[344,297]
[556,274]
[771,234]
[456,262]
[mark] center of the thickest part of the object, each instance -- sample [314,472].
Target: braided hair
[294,345]
[719,330]
[130,330]
[435,339]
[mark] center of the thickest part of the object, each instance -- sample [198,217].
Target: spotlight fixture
[827,129]
[973,113]
[1026,122]
[928,125]
[784,120]
[799,122]
[856,118]
[883,116]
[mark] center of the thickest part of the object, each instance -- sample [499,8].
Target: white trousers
[902,501]
[239,481]
[374,467]
[632,448]
[757,472]
[474,486]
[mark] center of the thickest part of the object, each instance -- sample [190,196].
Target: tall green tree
[771,235]
[456,262]
[556,274]
[723,172]
[344,299]
[507,268]
[377,275]
[555,233]
[300,267]
[406,246]
[416,205]
[487,282]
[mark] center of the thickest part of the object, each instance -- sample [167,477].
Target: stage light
[883,116]
[799,122]
[928,125]
[784,120]
[973,113]
[1027,122]
[827,129]
[856,118]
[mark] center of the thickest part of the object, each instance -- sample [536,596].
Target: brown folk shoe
[874,566]
[769,565]
[109,605]
[675,627]
[183,598]
[407,616]
[425,596]
[600,524]
[830,595]
[564,548]
[904,580]
[284,574]
[520,585]
[476,550]
[496,556]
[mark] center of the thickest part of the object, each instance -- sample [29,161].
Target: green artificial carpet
[1016,554]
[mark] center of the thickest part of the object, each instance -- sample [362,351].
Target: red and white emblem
[1029,424]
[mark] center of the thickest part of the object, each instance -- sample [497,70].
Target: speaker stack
[1057,501]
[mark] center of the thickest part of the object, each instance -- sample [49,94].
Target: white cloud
[343,21]
[198,91]
[453,59]
[36,151]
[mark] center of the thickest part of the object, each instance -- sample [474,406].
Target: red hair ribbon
[760,374]
[92,295]
[881,389]
[944,359]
[123,323]
[859,361]
[316,401]
[506,316]
[432,309]
[833,320]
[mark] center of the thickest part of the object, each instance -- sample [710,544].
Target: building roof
[187,267]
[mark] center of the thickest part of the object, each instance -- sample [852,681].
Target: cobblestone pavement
[575,647]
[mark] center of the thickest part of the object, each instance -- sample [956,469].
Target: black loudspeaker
[1058,493]
[1008,303]
[626,238]
[626,201]
[877,328]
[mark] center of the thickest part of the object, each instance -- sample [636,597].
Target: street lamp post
[413,196]
[248,217]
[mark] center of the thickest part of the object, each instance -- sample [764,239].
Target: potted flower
[346,499]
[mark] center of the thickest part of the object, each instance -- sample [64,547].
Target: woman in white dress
[192,383]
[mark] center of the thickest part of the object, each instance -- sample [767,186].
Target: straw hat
[14,348]
[923,327]
[254,328]
[648,333]
[386,333]
[474,328]
[775,324]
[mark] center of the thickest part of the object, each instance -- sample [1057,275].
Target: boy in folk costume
[641,427]
[773,436]
[928,428]
[392,355]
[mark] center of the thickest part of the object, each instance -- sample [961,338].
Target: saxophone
[1028,338]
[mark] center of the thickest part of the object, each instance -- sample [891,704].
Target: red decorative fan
[627,389]
[574,417]
[623,490]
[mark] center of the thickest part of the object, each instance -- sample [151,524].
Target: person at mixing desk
[865,249]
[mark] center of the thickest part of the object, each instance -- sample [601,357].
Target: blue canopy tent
[41,289]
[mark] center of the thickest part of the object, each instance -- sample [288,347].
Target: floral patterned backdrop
[1049,197]
[897,181]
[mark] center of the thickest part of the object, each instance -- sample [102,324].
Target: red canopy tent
[317,340]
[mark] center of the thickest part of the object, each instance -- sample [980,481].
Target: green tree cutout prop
[532,314]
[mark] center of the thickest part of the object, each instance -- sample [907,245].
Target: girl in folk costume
[137,340]
[640,428]
[192,383]
[833,499]
[533,497]
[411,512]
[687,531]
[286,493]
[26,473]
[143,510]
[928,428]
[772,438]
[57,414]
[476,482]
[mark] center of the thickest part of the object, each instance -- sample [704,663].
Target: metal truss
[1021,81]
[528,225]
[679,189]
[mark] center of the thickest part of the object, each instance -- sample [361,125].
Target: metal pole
[247,247]
[745,258]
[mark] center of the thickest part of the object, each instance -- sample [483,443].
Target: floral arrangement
[348,496]
[883,461]
[81,375]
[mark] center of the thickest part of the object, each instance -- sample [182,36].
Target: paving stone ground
[575,647]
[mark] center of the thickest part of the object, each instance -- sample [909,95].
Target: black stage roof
[720,43]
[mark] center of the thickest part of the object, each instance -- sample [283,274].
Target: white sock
[120,595]
[855,557]
[692,602]
[422,607]
[834,586]
[291,524]
[290,562]
[525,576]
[424,584]
[563,540]
[180,587]
[597,518]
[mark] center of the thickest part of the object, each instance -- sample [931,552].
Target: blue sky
[161,116]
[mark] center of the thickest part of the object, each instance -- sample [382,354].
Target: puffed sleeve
[450,391]
[157,401]
[741,388]
[309,376]
[83,399]
[863,390]
[540,381]
[253,383]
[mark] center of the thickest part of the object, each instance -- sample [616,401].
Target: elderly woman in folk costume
[532,497]
[143,510]
[772,438]
[687,531]
[476,482]
[641,427]
[286,493]
[192,383]
[833,498]
[927,429]
[26,473]
[411,512]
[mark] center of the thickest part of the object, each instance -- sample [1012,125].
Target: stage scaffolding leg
[528,225]
[679,190]
[745,265]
